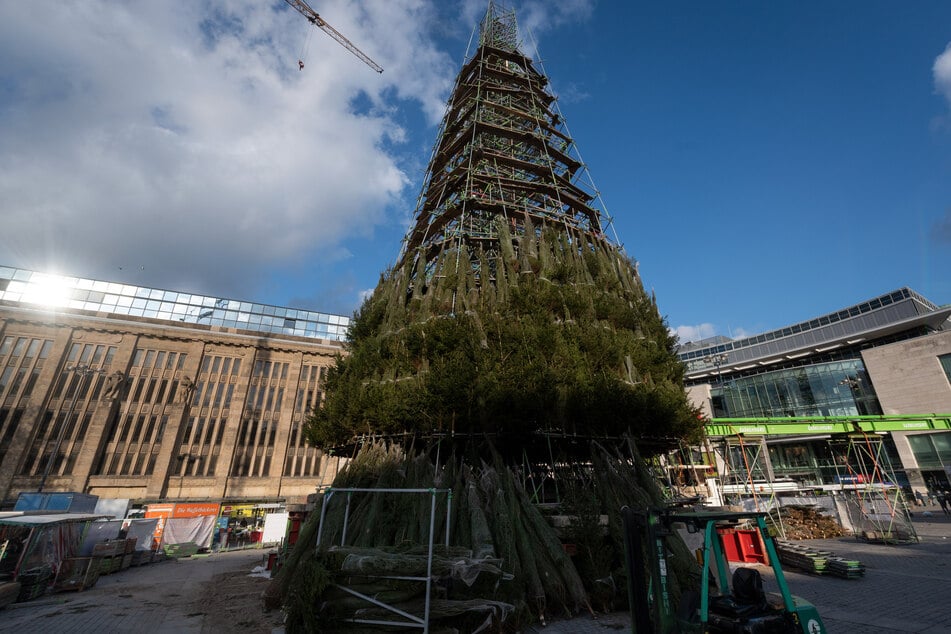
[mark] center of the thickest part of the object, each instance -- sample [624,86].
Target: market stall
[34,547]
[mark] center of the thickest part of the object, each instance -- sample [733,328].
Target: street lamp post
[717,360]
[82,371]
[713,486]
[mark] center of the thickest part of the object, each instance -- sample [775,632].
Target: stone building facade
[151,408]
[915,376]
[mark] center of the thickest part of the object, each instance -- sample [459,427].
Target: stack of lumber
[128,552]
[802,558]
[818,562]
[808,522]
[893,535]
[845,568]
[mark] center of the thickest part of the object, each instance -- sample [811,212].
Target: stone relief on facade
[113,386]
[186,390]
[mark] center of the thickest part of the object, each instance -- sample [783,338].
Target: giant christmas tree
[511,354]
[510,310]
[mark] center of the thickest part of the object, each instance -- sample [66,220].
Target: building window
[837,388]
[945,360]
[932,451]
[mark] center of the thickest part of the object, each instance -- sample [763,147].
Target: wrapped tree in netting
[512,357]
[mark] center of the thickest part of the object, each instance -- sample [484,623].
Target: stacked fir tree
[511,348]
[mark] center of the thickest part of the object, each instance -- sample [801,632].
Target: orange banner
[162,512]
[165,511]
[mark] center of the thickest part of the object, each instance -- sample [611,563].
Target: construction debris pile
[808,522]
[818,562]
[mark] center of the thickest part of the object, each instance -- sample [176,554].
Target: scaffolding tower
[747,478]
[876,508]
[503,166]
[870,499]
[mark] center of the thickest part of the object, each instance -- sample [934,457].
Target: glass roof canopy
[26,287]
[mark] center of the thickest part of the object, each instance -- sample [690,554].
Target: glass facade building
[829,367]
[813,368]
[31,288]
[835,388]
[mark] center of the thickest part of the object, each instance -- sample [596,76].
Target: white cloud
[181,140]
[741,333]
[178,145]
[365,294]
[686,334]
[942,73]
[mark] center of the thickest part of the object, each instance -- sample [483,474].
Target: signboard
[195,510]
[850,479]
[275,526]
[161,512]
[241,511]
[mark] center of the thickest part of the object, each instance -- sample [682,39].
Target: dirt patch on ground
[232,601]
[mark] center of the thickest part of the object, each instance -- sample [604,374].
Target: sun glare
[47,290]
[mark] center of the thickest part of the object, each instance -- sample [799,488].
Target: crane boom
[304,9]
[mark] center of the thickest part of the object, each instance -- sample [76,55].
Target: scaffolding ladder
[748,475]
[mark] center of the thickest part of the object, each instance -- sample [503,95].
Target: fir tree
[509,310]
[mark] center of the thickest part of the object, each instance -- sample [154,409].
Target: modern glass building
[863,360]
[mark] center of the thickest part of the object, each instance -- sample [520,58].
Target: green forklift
[737,605]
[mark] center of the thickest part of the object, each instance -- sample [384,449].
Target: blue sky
[764,162]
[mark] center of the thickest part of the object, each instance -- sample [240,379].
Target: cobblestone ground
[906,588]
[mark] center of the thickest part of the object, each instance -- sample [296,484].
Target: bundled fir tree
[509,339]
[509,309]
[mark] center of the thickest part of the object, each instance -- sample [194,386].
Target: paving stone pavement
[906,588]
[155,598]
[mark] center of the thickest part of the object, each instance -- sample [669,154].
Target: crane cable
[304,50]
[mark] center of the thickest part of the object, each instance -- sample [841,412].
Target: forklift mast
[740,606]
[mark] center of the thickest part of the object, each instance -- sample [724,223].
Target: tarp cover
[179,530]
[142,530]
[99,532]
[51,544]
